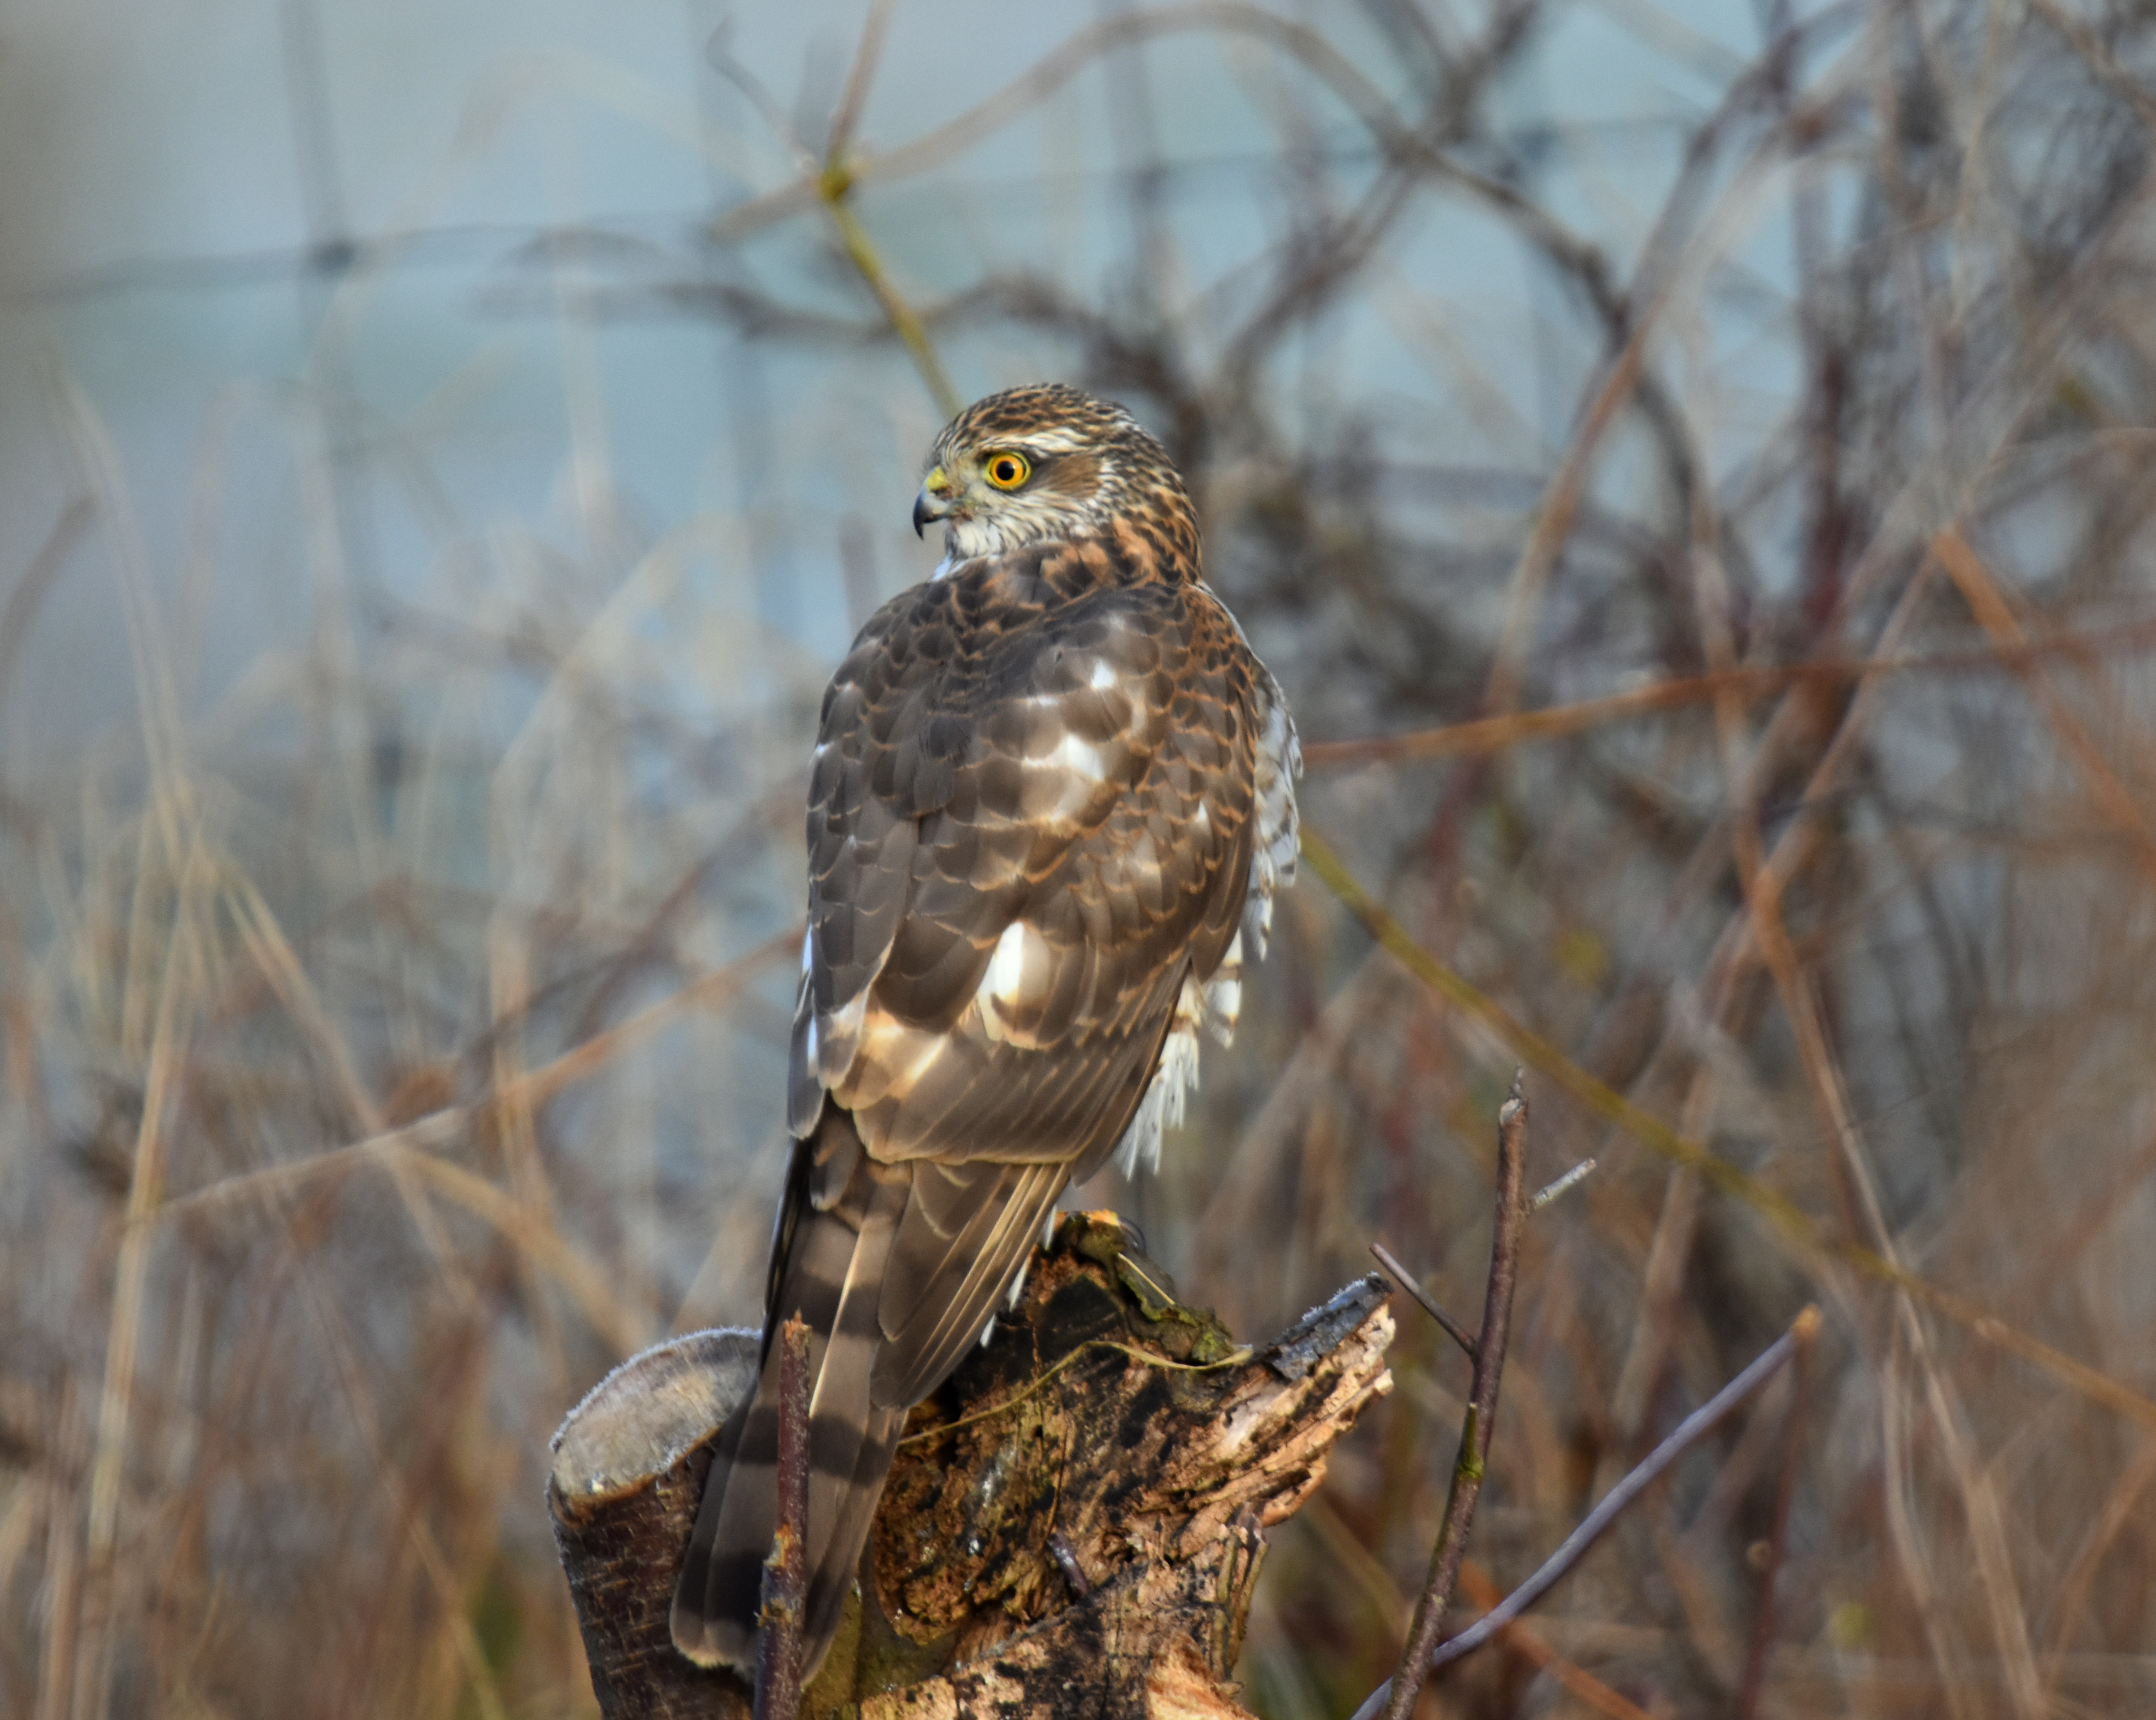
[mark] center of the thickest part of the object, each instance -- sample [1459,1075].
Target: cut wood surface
[1073,1524]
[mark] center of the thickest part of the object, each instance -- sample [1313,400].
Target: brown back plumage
[1051,799]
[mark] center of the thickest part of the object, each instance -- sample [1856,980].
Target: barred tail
[895,1268]
[836,1228]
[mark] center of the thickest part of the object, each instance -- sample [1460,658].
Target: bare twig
[1563,1186]
[1397,1696]
[1493,734]
[868,53]
[785,1573]
[831,181]
[1080,50]
[1975,581]
[836,182]
[1687,1433]
[2099,60]
[1398,1701]
[1452,1329]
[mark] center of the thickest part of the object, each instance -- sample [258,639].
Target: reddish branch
[778,1643]
[1467,1470]
[1425,1652]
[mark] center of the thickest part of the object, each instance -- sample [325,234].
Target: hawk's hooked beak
[937,502]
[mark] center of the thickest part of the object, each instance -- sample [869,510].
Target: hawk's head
[1045,462]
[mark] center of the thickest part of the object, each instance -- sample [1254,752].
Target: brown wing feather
[959,1245]
[1069,883]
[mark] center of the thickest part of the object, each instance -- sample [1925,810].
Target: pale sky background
[172,170]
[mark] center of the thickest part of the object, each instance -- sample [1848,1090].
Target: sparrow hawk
[1052,795]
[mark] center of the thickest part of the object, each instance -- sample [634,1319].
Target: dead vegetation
[1720,625]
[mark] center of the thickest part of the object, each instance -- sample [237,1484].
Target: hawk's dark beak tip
[921,515]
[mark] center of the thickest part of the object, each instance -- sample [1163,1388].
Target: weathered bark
[629,1472]
[1072,1524]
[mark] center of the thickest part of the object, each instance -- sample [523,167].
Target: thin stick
[1406,1279]
[1563,1185]
[1467,1469]
[1980,591]
[835,185]
[1688,1433]
[1495,734]
[1776,1356]
[785,1573]
[868,52]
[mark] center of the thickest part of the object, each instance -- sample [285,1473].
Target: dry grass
[1766,754]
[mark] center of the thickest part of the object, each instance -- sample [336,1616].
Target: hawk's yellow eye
[1006,469]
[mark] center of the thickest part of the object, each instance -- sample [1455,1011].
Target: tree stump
[1072,1523]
